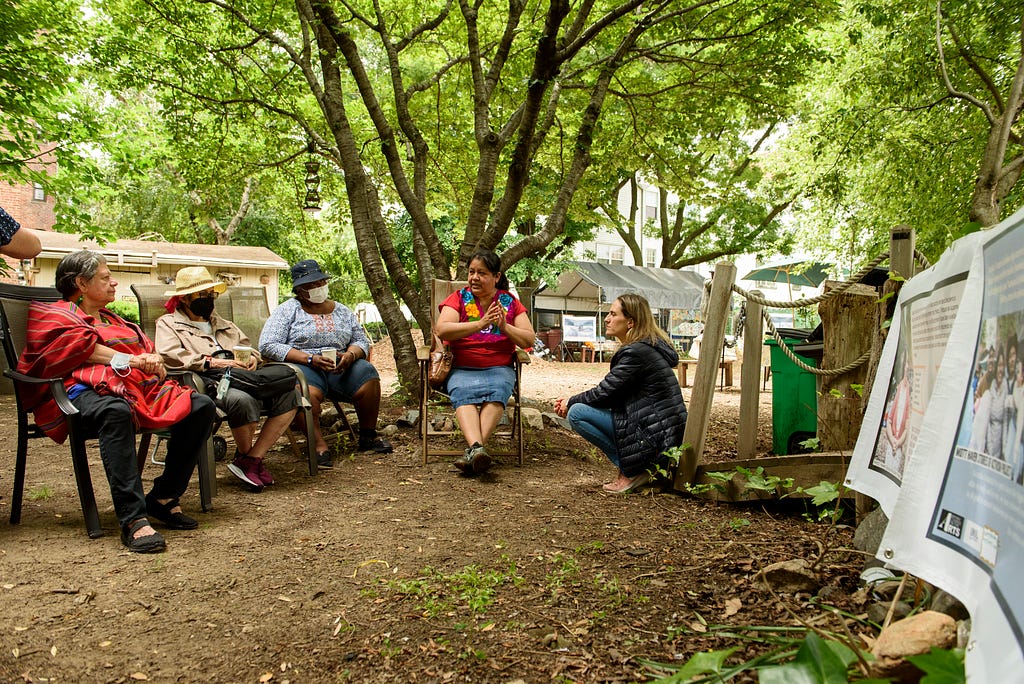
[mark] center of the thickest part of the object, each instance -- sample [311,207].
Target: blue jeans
[597,427]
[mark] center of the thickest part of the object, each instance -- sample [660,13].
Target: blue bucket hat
[305,272]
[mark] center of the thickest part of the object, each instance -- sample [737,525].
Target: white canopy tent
[591,287]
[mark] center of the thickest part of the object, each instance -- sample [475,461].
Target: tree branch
[945,73]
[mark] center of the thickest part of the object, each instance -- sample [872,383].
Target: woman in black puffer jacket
[637,410]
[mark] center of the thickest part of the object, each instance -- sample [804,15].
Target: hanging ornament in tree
[311,202]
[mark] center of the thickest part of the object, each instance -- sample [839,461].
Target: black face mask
[202,307]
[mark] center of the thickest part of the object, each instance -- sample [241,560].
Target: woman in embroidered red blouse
[484,323]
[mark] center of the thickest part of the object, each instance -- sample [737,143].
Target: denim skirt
[480,385]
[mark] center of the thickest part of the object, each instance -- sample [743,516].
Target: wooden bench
[684,364]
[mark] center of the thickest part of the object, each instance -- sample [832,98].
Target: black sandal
[150,543]
[162,512]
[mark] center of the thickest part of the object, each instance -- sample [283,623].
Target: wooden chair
[14,304]
[440,289]
[248,308]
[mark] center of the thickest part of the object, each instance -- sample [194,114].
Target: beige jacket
[183,345]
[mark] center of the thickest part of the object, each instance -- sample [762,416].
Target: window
[651,208]
[610,254]
[650,257]
[38,192]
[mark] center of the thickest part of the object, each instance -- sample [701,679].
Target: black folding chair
[14,306]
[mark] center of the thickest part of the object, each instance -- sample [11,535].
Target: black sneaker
[479,459]
[324,460]
[378,445]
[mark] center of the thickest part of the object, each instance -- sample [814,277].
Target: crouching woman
[636,412]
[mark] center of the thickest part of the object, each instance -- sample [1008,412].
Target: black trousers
[109,418]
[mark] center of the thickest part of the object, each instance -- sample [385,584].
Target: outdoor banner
[910,360]
[957,518]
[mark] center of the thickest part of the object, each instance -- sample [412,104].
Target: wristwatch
[309,360]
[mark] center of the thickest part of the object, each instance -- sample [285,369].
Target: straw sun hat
[195,279]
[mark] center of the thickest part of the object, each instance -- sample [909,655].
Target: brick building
[31,205]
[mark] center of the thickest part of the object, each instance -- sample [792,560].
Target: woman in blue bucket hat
[324,338]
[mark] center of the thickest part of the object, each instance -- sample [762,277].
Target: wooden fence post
[849,323]
[750,378]
[707,369]
[902,244]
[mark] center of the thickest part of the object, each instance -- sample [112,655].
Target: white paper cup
[242,354]
[331,355]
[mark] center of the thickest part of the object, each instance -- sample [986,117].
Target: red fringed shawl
[59,340]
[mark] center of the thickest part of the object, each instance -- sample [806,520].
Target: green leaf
[817,662]
[705,662]
[812,443]
[823,492]
[940,666]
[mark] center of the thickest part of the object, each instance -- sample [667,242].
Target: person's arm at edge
[24,244]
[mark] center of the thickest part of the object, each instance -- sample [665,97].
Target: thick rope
[922,260]
[839,289]
[828,372]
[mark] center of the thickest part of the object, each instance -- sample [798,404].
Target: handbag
[440,362]
[266,382]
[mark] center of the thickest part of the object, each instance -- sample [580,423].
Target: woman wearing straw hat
[325,339]
[194,337]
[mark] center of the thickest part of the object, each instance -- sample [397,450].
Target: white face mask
[317,295]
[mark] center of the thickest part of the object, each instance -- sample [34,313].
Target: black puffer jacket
[647,406]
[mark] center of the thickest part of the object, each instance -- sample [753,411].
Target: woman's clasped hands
[561,407]
[495,316]
[149,363]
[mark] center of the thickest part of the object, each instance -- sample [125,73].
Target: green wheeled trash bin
[794,400]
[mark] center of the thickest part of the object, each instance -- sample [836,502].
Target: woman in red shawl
[119,384]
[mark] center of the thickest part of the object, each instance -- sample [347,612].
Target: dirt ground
[383,570]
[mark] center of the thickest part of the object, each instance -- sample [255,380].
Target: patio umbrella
[809,273]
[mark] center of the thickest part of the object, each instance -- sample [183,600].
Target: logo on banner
[951,523]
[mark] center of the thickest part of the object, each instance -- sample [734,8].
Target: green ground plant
[564,570]
[794,655]
[471,589]
[39,492]
[666,469]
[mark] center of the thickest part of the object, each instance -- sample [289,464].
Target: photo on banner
[977,512]
[926,320]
